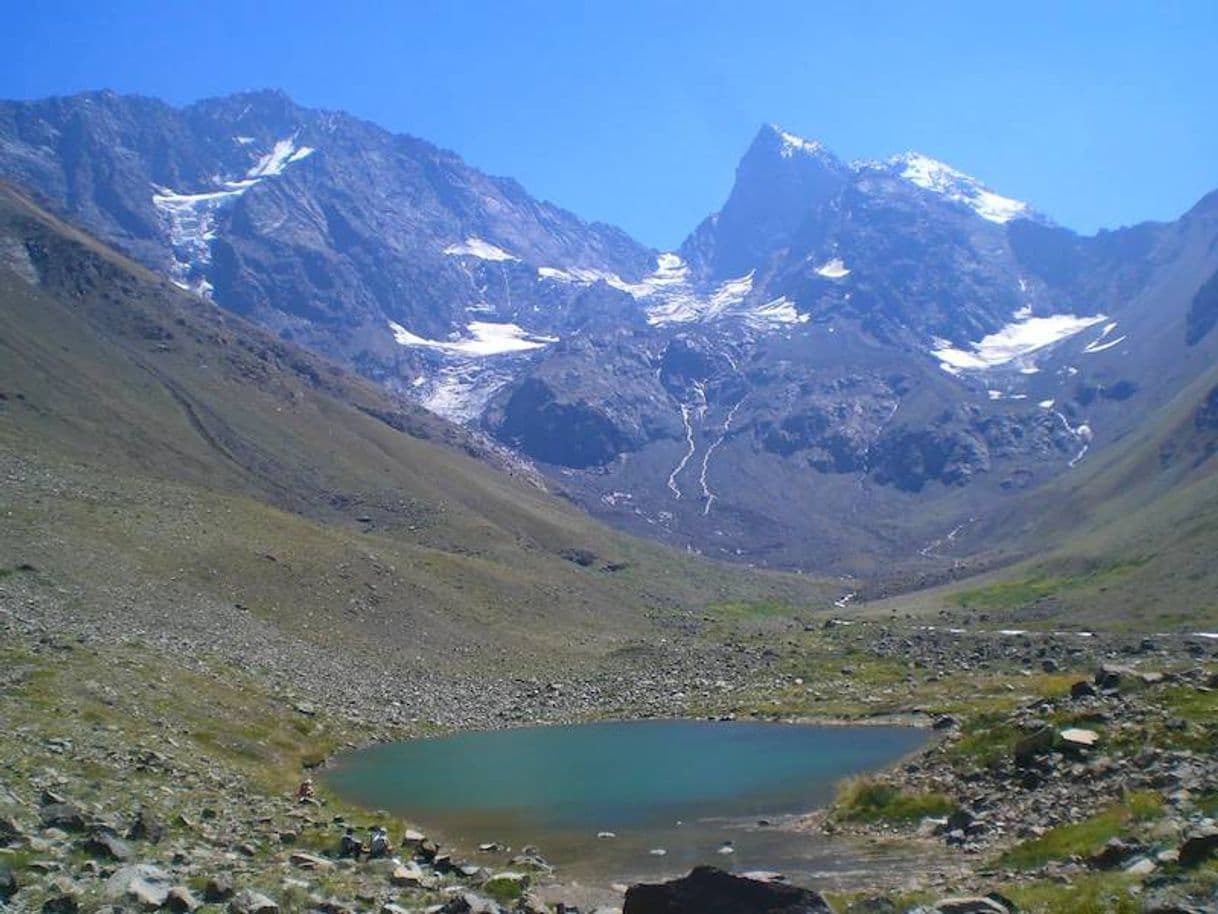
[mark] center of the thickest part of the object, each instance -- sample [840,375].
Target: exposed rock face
[707,890]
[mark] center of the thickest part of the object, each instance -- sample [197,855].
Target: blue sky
[1099,114]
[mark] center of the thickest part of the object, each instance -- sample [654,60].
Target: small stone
[1141,866]
[306,861]
[974,905]
[251,902]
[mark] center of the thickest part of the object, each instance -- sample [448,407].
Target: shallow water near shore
[682,786]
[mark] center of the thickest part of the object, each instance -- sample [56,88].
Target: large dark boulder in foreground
[707,890]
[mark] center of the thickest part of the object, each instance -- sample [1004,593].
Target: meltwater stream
[687,788]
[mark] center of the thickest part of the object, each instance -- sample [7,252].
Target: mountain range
[883,370]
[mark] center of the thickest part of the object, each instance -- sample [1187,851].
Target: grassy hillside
[1125,540]
[156,450]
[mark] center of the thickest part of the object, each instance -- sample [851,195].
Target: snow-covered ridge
[1014,344]
[476,247]
[191,217]
[940,178]
[484,339]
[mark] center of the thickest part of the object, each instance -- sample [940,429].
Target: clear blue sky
[1100,114]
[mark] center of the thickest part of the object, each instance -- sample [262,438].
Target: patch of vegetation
[1092,894]
[1010,595]
[987,739]
[751,609]
[868,799]
[1087,837]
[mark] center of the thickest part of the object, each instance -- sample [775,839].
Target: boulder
[1110,676]
[1199,847]
[148,886]
[413,838]
[181,900]
[106,846]
[707,890]
[306,861]
[146,827]
[1077,739]
[408,876]
[9,830]
[970,905]
[8,885]
[1114,854]
[64,816]
[61,904]
[251,902]
[1082,689]
[1034,745]
[219,888]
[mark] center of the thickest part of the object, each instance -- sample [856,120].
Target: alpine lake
[624,801]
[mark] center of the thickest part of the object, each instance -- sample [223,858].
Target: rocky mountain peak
[781,178]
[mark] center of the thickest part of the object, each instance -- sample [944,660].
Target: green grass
[751,609]
[1084,838]
[1107,893]
[868,799]
[1016,594]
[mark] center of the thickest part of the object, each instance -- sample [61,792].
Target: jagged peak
[773,140]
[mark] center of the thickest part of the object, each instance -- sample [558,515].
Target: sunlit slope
[1127,539]
[158,448]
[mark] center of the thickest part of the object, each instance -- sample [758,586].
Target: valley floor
[151,764]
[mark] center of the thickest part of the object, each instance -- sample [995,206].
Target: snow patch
[461,391]
[942,179]
[1015,342]
[476,247]
[191,217]
[671,298]
[833,269]
[792,144]
[1101,343]
[484,339]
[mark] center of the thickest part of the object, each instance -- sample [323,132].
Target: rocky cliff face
[842,366]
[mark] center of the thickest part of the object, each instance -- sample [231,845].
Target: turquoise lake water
[682,786]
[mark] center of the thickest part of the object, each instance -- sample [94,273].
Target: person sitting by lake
[349,845]
[379,846]
[306,791]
